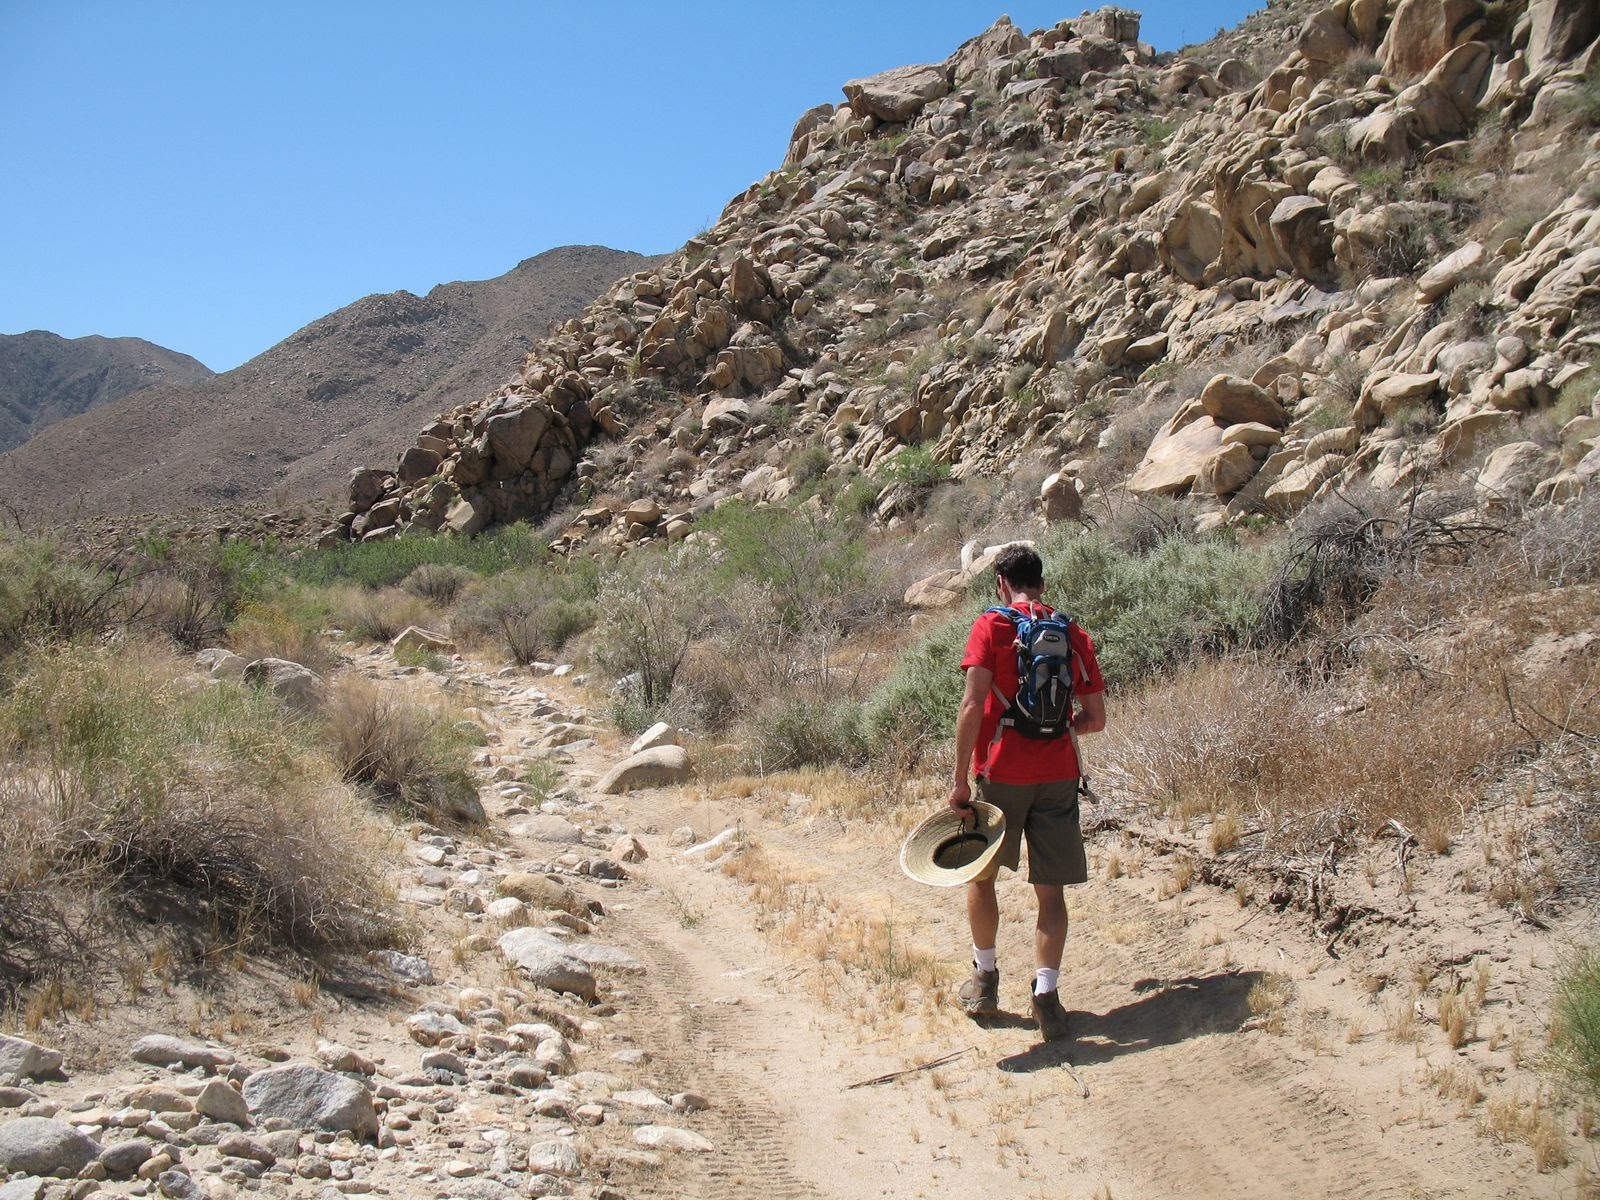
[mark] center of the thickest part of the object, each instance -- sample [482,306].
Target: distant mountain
[45,378]
[350,388]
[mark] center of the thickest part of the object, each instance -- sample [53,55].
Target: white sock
[983,959]
[1045,980]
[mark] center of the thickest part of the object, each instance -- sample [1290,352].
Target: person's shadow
[1168,1011]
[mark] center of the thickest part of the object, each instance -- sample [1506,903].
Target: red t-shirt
[1019,759]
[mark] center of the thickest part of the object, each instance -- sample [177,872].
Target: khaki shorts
[1048,814]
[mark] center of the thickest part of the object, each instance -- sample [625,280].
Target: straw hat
[946,849]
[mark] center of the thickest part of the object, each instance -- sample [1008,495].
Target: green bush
[915,707]
[532,614]
[45,596]
[1576,1020]
[656,605]
[915,466]
[387,563]
[439,583]
[802,730]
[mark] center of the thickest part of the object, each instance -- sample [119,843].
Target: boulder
[299,687]
[1559,30]
[1251,433]
[725,416]
[1297,487]
[1424,31]
[42,1146]
[161,1050]
[414,639]
[1302,229]
[540,891]
[669,1137]
[367,487]
[465,518]
[554,1158]
[221,1102]
[1173,461]
[547,827]
[900,94]
[417,463]
[939,590]
[308,1097]
[1512,472]
[660,734]
[219,664]
[514,436]
[1225,471]
[545,962]
[661,766]
[1449,271]
[1060,498]
[27,1060]
[1234,401]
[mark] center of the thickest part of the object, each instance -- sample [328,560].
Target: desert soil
[787,966]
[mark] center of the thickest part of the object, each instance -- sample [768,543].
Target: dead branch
[927,1066]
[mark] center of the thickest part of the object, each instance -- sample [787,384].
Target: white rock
[553,1158]
[545,962]
[667,1137]
[27,1060]
[652,768]
[659,734]
[310,1098]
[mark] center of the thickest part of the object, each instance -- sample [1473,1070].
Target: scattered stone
[27,1060]
[299,687]
[311,1098]
[629,849]
[662,766]
[222,1103]
[659,734]
[123,1160]
[554,1158]
[42,1146]
[161,1050]
[668,1137]
[545,962]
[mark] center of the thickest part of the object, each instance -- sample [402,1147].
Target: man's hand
[961,797]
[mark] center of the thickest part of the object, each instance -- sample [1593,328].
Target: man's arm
[1091,717]
[968,721]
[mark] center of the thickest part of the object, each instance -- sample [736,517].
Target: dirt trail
[1170,1085]
[800,962]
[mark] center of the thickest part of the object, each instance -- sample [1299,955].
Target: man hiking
[1032,685]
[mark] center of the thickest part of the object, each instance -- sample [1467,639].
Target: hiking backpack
[1046,664]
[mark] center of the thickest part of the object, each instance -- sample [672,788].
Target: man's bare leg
[980,994]
[983,914]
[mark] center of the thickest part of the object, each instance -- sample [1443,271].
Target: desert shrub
[412,754]
[1575,1020]
[132,783]
[47,596]
[284,625]
[804,729]
[531,614]
[810,464]
[1554,547]
[656,604]
[916,467]
[438,583]
[914,709]
[816,572]
[380,615]
[386,563]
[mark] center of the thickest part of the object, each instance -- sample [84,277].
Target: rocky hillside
[45,378]
[1347,244]
[286,424]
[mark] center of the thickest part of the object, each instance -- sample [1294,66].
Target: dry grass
[1517,1118]
[380,616]
[410,752]
[1269,997]
[136,784]
[280,629]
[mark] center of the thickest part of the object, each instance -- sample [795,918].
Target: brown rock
[1424,31]
[1233,401]
[1172,462]
[900,94]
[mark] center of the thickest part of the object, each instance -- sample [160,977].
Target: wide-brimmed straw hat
[947,849]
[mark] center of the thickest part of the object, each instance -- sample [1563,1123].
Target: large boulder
[514,436]
[544,961]
[540,891]
[310,1098]
[1559,30]
[1512,472]
[1304,233]
[163,1050]
[659,767]
[900,94]
[1059,497]
[1232,400]
[662,733]
[939,590]
[41,1146]
[27,1060]
[1424,31]
[1226,471]
[1452,269]
[299,687]
[1173,460]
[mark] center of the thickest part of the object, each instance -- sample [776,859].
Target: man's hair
[1020,567]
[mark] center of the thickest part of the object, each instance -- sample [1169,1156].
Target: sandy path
[1185,1095]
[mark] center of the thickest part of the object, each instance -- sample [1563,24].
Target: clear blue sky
[211,176]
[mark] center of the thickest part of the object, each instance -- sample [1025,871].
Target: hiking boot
[1051,1016]
[980,994]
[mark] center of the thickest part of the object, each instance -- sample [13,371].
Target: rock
[1060,498]
[408,967]
[725,416]
[159,1100]
[554,1158]
[1512,472]
[1234,401]
[417,463]
[367,487]
[24,1187]
[1559,30]
[1449,271]
[311,1098]
[1226,471]
[508,910]
[594,954]
[444,1060]
[659,767]
[1424,31]
[466,518]
[897,95]
[629,849]
[299,687]
[1251,433]
[1297,487]
[413,639]
[546,827]
[160,1050]
[545,962]
[238,1145]
[338,1057]
[690,1102]
[123,1160]
[42,1146]
[177,1185]
[1173,461]
[659,734]
[666,1137]
[539,891]
[514,436]
[1304,234]
[939,590]
[431,1028]
[27,1060]
[220,663]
